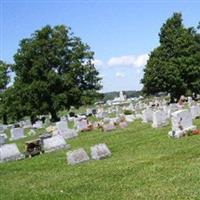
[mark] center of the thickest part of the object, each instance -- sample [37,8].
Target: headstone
[54,143]
[108,127]
[129,118]
[147,115]
[123,124]
[82,124]
[77,156]
[181,123]
[190,101]
[114,120]
[3,138]
[38,124]
[17,133]
[159,119]
[101,115]
[195,111]
[100,151]
[27,124]
[10,152]
[1,129]
[64,131]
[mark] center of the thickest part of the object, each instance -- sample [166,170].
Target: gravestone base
[181,133]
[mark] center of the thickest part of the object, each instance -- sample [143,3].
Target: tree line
[54,70]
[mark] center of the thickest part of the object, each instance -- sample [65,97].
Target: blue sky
[121,33]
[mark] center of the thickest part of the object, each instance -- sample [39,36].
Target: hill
[129,94]
[145,164]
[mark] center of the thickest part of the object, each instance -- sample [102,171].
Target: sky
[122,33]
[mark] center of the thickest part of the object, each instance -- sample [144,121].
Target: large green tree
[4,77]
[174,66]
[4,80]
[54,70]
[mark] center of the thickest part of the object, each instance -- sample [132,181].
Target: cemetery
[58,149]
[111,115]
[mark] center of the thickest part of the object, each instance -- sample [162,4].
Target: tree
[174,66]
[4,77]
[54,71]
[4,80]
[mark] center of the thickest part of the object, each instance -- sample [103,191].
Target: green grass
[145,164]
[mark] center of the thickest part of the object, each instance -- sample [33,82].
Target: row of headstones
[160,117]
[10,152]
[98,152]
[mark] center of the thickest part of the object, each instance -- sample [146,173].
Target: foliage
[174,66]
[4,78]
[54,71]
[128,112]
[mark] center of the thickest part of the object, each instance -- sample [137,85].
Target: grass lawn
[145,164]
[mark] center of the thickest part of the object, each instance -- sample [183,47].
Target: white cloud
[130,60]
[97,62]
[119,75]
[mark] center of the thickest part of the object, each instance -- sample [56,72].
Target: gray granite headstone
[10,152]
[77,156]
[3,138]
[64,131]
[100,151]
[17,133]
[54,143]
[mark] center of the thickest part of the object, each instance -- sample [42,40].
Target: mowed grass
[145,164]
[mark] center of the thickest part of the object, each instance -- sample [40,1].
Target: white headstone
[159,119]
[82,124]
[129,118]
[17,133]
[77,156]
[10,152]
[3,138]
[181,123]
[1,129]
[38,124]
[147,115]
[100,151]
[190,101]
[54,143]
[64,131]
[195,111]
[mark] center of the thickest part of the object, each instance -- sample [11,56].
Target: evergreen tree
[174,66]
[54,71]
